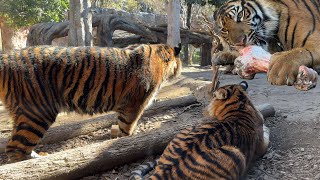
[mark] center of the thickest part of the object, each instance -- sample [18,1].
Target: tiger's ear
[221,94]
[244,85]
[177,50]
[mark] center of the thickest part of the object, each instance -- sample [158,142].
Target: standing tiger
[36,83]
[221,149]
[289,26]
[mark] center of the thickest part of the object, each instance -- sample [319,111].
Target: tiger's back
[36,83]
[222,149]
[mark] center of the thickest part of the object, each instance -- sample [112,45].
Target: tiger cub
[221,149]
[36,83]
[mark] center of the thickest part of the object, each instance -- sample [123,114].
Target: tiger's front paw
[115,131]
[283,69]
[15,157]
[225,58]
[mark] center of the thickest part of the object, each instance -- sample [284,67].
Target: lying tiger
[36,83]
[221,149]
[289,27]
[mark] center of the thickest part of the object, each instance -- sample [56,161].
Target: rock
[309,157]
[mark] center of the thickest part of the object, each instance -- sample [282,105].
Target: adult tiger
[289,26]
[222,149]
[36,83]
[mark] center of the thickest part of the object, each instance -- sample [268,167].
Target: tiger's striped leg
[131,113]
[128,122]
[28,130]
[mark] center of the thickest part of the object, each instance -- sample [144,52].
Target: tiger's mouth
[237,47]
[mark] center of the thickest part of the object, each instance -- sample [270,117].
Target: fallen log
[266,110]
[65,132]
[161,106]
[97,157]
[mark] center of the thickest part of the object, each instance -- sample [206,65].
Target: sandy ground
[294,151]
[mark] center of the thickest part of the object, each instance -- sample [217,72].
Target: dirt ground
[294,151]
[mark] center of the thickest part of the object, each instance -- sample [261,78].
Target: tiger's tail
[142,170]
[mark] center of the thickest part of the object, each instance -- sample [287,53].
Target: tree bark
[186,47]
[80,27]
[173,23]
[0,39]
[109,24]
[206,54]
[97,157]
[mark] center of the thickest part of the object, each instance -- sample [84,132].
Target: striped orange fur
[221,149]
[36,83]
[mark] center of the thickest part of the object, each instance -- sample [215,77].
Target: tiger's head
[228,99]
[170,59]
[241,23]
[161,61]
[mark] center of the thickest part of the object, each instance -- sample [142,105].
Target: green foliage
[126,5]
[196,56]
[20,13]
[204,2]
[132,6]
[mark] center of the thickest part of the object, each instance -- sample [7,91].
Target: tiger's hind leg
[29,128]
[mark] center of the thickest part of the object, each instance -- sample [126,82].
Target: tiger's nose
[241,41]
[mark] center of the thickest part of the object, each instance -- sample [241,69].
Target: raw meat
[254,59]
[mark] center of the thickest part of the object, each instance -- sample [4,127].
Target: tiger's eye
[246,13]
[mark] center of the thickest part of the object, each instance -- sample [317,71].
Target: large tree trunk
[173,23]
[187,59]
[0,39]
[97,157]
[80,27]
[206,54]
[186,47]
